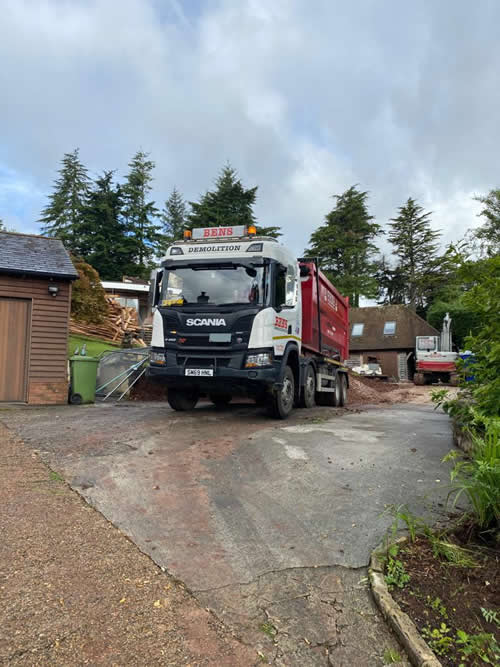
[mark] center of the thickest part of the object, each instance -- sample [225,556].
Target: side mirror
[304,271]
[155,287]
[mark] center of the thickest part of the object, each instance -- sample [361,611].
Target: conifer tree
[103,240]
[173,217]
[344,246]
[228,205]
[415,245]
[65,211]
[140,213]
[488,234]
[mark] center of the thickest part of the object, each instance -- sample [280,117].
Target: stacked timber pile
[119,324]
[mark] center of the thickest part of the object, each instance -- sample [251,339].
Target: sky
[303,97]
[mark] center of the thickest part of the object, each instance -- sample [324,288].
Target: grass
[94,346]
[391,656]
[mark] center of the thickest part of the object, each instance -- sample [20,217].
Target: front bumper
[228,372]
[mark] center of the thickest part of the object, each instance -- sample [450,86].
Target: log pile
[120,325]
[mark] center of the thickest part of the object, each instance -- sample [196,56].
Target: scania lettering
[235,314]
[219,322]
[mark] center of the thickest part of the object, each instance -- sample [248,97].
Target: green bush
[484,297]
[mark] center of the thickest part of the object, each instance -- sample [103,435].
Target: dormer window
[389,328]
[357,329]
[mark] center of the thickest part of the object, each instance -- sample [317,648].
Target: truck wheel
[282,400]
[307,398]
[343,389]
[220,400]
[419,378]
[182,399]
[454,380]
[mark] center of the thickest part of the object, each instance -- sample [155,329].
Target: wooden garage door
[14,326]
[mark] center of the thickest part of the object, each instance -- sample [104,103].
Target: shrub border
[417,649]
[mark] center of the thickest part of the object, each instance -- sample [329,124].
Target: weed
[391,656]
[438,638]
[402,514]
[437,605]
[268,629]
[478,478]
[478,649]
[491,616]
[452,553]
[55,476]
[395,573]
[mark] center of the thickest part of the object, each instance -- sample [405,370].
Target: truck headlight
[157,358]
[260,359]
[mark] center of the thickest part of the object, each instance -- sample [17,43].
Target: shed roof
[408,326]
[35,255]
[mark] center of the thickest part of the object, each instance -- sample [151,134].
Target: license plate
[205,372]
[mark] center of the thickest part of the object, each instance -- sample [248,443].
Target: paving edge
[418,651]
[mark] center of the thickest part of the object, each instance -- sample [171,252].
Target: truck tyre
[419,378]
[454,380]
[220,400]
[283,398]
[343,389]
[182,399]
[307,397]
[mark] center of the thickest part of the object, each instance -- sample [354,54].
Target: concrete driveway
[269,524]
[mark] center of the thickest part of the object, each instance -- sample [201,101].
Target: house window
[389,328]
[357,329]
[128,302]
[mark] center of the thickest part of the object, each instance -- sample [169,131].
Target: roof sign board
[219,232]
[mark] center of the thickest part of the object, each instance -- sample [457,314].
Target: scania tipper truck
[236,314]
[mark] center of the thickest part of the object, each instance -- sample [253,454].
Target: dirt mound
[366,391]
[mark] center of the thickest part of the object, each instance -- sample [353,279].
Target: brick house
[386,334]
[35,298]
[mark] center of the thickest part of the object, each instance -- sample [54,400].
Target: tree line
[118,229]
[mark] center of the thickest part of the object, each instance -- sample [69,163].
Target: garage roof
[35,255]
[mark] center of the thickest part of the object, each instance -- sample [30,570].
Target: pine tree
[64,214]
[139,213]
[2,226]
[344,247]
[391,284]
[228,205]
[173,217]
[488,234]
[415,245]
[103,241]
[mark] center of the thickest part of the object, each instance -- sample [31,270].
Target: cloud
[303,99]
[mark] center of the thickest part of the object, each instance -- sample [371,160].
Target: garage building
[35,297]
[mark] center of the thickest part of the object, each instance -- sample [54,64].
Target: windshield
[214,286]
[427,343]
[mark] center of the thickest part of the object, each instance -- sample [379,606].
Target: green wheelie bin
[83,377]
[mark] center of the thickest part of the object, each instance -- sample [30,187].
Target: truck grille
[202,362]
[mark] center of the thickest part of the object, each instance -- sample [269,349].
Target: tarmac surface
[269,524]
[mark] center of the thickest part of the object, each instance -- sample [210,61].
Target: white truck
[237,314]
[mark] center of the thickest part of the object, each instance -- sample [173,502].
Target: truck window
[279,286]
[291,285]
[427,343]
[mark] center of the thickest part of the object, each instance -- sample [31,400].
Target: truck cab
[227,320]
